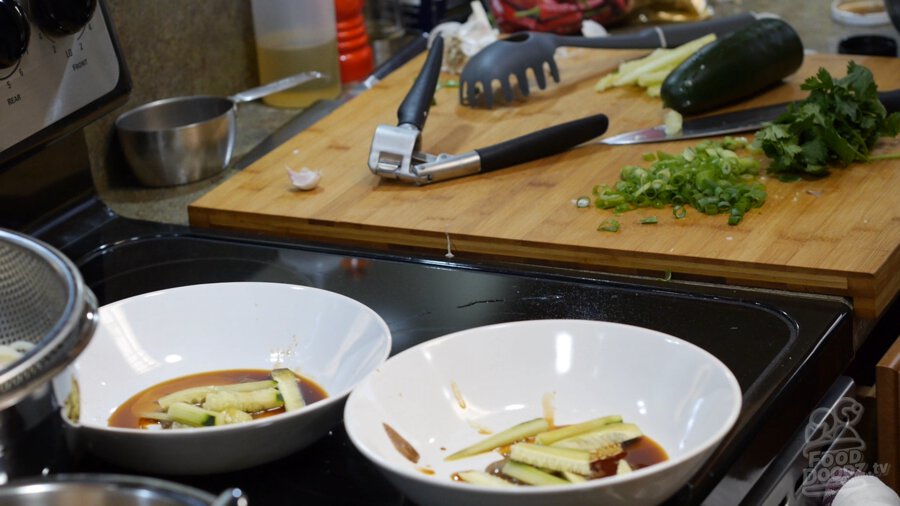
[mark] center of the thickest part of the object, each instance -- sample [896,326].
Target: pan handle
[275,86]
[546,142]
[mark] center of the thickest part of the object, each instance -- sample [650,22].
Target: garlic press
[396,150]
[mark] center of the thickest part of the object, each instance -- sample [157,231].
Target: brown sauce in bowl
[639,453]
[127,415]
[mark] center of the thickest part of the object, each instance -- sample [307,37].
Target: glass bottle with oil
[294,36]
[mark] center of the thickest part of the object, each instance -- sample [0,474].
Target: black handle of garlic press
[546,142]
[414,109]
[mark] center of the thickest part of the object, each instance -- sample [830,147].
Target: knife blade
[726,123]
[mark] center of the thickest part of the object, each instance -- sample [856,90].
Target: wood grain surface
[836,235]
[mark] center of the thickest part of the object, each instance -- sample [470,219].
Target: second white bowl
[443,395]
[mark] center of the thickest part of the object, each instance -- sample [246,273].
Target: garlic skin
[304,179]
[672,121]
[464,40]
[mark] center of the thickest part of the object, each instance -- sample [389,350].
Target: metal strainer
[43,301]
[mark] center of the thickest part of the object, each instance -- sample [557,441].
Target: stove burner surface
[764,337]
[420,301]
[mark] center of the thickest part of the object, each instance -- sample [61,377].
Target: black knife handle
[890,100]
[546,142]
[414,109]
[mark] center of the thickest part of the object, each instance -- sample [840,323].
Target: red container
[354,51]
[557,16]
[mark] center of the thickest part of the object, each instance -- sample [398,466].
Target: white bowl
[439,394]
[147,339]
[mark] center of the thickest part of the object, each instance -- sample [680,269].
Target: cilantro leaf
[836,124]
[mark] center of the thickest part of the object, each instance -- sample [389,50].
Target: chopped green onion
[582,202]
[649,220]
[609,225]
[711,177]
[607,201]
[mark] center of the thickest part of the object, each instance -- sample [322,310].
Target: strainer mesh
[42,301]
[33,296]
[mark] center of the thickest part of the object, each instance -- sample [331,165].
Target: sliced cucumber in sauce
[289,388]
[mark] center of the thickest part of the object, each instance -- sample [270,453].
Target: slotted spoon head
[503,60]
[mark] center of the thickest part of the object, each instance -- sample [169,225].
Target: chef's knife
[725,123]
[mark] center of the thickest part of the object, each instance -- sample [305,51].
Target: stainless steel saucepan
[185,139]
[100,489]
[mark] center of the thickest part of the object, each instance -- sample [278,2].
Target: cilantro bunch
[838,123]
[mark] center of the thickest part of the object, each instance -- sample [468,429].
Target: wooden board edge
[860,288]
[887,398]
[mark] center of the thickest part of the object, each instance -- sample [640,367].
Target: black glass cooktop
[783,348]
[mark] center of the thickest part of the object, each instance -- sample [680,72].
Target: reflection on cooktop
[420,302]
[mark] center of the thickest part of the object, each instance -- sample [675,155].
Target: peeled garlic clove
[304,179]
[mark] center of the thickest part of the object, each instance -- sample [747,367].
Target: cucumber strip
[233,415]
[483,478]
[289,388]
[552,458]
[188,414]
[189,396]
[614,433]
[156,415]
[606,452]
[196,395]
[663,59]
[508,436]
[552,436]
[531,475]
[654,78]
[251,402]
[574,477]
[623,467]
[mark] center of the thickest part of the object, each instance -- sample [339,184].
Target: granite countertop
[173,48]
[812,20]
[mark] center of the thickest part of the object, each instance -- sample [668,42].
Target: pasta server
[516,54]
[395,151]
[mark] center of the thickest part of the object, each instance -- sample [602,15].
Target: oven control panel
[56,57]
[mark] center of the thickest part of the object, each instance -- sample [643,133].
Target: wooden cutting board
[836,235]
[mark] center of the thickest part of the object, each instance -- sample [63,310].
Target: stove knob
[62,17]
[14,33]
